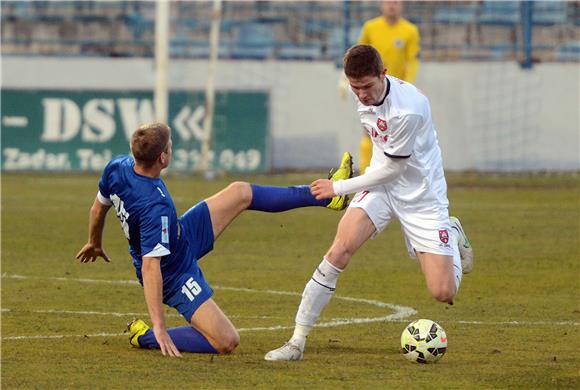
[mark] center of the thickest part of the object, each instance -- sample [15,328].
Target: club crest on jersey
[382,124]
[444,236]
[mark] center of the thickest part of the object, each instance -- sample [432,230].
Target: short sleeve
[404,131]
[155,230]
[364,38]
[104,185]
[103,200]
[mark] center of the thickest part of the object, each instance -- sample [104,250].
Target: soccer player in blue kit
[166,248]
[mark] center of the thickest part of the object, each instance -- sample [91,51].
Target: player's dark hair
[362,61]
[148,142]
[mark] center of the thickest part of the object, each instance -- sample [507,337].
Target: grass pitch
[514,324]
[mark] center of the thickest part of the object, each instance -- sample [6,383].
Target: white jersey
[401,127]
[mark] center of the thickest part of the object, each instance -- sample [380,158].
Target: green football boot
[344,171]
[136,328]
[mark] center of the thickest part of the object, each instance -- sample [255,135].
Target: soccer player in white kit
[404,181]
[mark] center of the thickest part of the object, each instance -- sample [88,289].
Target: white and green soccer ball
[423,341]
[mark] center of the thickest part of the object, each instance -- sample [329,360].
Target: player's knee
[229,343]
[243,192]
[340,253]
[443,292]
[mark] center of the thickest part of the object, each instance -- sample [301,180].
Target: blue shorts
[190,289]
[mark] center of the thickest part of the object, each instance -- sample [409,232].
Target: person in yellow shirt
[397,41]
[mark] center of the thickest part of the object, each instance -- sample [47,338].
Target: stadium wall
[489,116]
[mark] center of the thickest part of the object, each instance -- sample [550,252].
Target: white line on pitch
[400,315]
[80,280]
[331,323]
[63,336]
[115,314]
[400,312]
[518,323]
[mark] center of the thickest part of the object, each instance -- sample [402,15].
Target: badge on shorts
[444,236]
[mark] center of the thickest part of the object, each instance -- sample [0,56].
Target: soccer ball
[423,341]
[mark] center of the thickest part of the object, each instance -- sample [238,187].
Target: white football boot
[287,352]
[465,249]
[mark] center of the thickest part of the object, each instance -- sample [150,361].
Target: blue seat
[498,51]
[569,51]
[22,9]
[254,41]
[574,14]
[354,34]
[458,14]
[305,51]
[500,13]
[138,24]
[317,25]
[549,13]
[187,48]
[335,44]
[335,41]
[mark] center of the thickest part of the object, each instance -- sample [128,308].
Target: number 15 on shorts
[191,289]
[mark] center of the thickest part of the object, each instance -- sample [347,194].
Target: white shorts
[425,226]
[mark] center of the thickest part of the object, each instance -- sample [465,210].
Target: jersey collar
[388,88]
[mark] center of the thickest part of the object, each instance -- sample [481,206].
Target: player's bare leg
[210,331]
[440,274]
[354,229]
[227,204]
[443,274]
[211,321]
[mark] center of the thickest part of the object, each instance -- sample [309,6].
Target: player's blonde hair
[148,142]
[361,61]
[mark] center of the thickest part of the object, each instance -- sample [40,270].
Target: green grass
[525,231]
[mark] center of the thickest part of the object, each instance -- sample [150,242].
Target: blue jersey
[148,218]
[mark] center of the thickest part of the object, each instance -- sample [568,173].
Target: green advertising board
[82,130]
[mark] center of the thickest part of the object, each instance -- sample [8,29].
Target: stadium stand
[308,30]
[569,51]
[254,41]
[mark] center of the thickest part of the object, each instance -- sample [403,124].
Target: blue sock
[275,199]
[185,338]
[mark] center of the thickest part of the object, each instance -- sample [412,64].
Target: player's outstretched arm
[93,249]
[153,289]
[391,169]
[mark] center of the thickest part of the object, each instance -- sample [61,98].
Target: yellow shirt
[397,44]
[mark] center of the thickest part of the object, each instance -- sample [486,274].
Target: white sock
[315,297]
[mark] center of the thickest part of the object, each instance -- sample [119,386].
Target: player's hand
[91,253]
[322,189]
[166,345]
